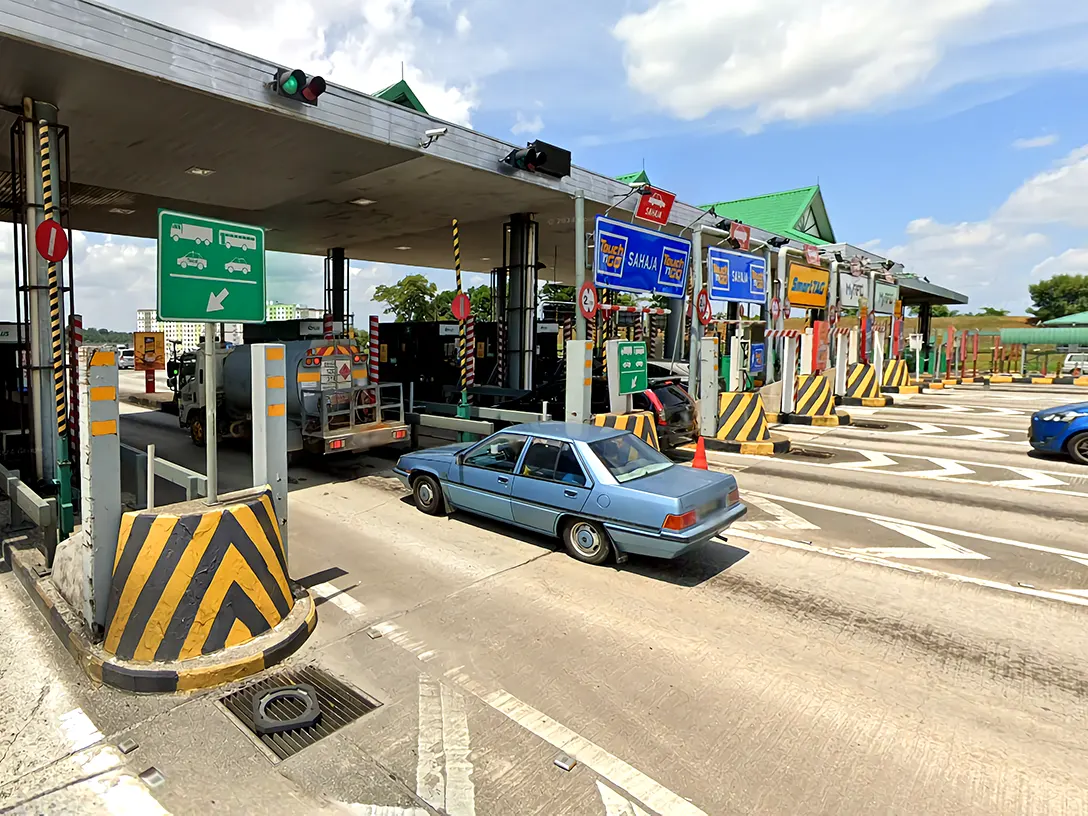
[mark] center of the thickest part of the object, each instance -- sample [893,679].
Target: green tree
[410,298]
[106,337]
[940,310]
[1059,296]
[481,301]
[558,292]
[443,304]
[990,311]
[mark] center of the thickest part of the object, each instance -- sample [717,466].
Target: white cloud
[1055,196]
[786,59]
[1035,142]
[523,125]
[1070,262]
[360,44]
[462,26]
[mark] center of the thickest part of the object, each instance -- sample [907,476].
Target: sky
[948,135]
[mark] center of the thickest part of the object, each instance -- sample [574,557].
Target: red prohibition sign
[587,300]
[776,308]
[461,306]
[702,305]
[51,241]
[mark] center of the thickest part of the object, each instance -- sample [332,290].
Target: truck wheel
[427,495]
[1078,448]
[197,430]
[586,541]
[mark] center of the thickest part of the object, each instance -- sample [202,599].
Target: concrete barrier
[813,405]
[862,387]
[641,423]
[743,426]
[897,379]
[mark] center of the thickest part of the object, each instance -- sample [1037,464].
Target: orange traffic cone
[699,460]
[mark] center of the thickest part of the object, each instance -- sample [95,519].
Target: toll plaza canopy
[148,108]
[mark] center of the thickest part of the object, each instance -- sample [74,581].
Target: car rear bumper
[672,545]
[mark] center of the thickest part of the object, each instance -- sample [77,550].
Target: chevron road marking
[783,519]
[935,546]
[873,459]
[1032,478]
[922,428]
[946,468]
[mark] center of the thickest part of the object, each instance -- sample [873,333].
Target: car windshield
[627,457]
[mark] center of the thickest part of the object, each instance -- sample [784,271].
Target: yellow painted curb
[1042,380]
[1001,378]
[1081,381]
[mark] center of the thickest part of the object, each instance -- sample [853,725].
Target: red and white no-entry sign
[51,241]
[776,308]
[787,308]
[587,300]
[702,306]
[461,306]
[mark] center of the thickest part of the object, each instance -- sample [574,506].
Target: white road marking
[935,546]
[79,730]
[872,559]
[1032,478]
[460,792]
[846,511]
[1080,593]
[873,459]
[1083,561]
[921,428]
[783,519]
[340,598]
[946,468]
[430,781]
[384,810]
[617,805]
[982,433]
[649,792]
[597,759]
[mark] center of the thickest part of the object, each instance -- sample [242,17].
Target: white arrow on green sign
[210,270]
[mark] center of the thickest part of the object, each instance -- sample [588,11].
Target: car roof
[575,431]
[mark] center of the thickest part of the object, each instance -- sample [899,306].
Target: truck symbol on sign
[191,232]
[192,260]
[241,240]
[238,265]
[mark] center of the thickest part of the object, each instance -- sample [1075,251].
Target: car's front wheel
[586,541]
[427,494]
[1078,448]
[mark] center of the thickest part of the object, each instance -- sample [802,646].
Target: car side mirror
[459,458]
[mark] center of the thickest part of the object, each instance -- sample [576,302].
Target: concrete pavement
[866,641]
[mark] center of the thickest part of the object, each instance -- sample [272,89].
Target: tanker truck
[331,406]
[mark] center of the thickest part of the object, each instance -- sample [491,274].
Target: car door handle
[571,494]
[503,480]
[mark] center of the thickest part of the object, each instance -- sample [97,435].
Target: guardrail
[26,505]
[134,472]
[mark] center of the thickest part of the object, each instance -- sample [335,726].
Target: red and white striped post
[328,326]
[372,372]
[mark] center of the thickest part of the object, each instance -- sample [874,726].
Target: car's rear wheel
[586,541]
[427,494]
[1078,448]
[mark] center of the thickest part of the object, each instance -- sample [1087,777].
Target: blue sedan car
[1062,430]
[604,491]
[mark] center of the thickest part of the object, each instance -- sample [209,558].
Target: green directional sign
[632,358]
[210,271]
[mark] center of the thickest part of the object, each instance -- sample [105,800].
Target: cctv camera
[434,133]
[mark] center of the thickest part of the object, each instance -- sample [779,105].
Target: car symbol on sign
[238,265]
[192,260]
[657,201]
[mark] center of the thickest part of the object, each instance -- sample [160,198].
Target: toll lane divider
[814,404]
[862,388]
[897,379]
[641,423]
[743,426]
[1003,379]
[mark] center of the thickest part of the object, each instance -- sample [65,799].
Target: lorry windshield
[186,370]
[627,457]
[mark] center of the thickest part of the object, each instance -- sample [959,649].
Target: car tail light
[659,409]
[734,496]
[679,522]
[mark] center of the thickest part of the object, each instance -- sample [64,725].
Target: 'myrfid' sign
[736,277]
[851,290]
[884,298]
[635,259]
[807,286]
[655,205]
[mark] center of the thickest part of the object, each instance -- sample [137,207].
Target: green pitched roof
[781,213]
[1079,319]
[634,178]
[400,94]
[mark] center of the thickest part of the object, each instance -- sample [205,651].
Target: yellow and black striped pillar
[61,394]
[640,423]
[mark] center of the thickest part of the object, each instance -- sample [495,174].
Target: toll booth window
[500,452]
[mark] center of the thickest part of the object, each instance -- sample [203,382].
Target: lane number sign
[587,300]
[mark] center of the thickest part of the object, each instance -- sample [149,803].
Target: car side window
[567,469]
[553,460]
[500,452]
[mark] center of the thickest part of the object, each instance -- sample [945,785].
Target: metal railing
[28,506]
[136,473]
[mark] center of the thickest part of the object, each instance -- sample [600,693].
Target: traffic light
[294,84]
[540,157]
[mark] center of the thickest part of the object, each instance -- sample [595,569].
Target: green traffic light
[290,85]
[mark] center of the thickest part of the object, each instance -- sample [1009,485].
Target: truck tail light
[659,409]
[336,444]
[400,434]
[679,522]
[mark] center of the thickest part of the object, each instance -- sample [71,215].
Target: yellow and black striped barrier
[897,379]
[190,584]
[862,388]
[814,404]
[743,426]
[640,423]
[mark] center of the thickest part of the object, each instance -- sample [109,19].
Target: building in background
[292,311]
[186,336]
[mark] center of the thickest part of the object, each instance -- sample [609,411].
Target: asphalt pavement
[897,626]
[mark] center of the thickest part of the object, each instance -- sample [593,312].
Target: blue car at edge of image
[1062,430]
[603,491]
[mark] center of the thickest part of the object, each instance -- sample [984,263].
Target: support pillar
[336,292]
[842,354]
[709,362]
[579,356]
[521,305]
[789,374]
[853,345]
[697,328]
[807,340]
[100,475]
[878,357]
[579,262]
[269,371]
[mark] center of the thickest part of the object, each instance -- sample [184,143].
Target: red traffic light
[313,89]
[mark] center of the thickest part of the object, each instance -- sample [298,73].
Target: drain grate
[340,705]
[811,454]
[871,426]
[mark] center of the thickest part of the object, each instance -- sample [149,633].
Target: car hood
[1078,407]
[442,451]
[694,487]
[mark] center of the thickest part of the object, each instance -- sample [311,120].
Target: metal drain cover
[338,703]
